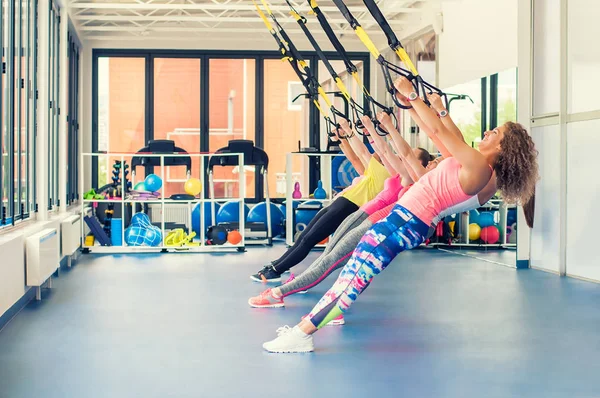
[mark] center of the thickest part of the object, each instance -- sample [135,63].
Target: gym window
[17,117]
[53,98]
[73,53]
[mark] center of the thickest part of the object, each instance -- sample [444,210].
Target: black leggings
[324,223]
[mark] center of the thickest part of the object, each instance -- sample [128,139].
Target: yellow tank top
[367,188]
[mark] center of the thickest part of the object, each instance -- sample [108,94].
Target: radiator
[12,270]
[178,213]
[70,235]
[41,256]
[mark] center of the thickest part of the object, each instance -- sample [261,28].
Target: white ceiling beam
[185,18]
[218,7]
[188,29]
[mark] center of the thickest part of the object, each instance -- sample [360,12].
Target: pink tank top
[435,191]
[384,212]
[391,188]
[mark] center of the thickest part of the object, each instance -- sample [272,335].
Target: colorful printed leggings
[398,232]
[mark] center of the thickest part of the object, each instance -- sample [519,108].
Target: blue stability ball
[140,220]
[153,237]
[259,214]
[511,216]
[283,210]
[208,221]
[342,172]
[486,219]
[153,183]
[473,217]
[230,212]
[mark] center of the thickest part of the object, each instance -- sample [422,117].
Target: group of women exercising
[393,206]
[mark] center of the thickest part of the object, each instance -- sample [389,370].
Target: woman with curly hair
[507,151]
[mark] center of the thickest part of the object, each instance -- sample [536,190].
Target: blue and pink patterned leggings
[398,232]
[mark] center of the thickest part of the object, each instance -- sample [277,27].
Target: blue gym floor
[177,325]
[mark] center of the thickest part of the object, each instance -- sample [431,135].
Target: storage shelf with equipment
[325,160]
[146,221]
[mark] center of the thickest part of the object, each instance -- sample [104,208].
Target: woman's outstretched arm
[349,153]
[475,169]
[403,148]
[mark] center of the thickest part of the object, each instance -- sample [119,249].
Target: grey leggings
[335,256]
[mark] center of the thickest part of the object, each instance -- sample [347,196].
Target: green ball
[140,186]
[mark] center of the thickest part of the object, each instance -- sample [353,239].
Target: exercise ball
[208,220]
[153,183]
[137,235]
[486,219]
[193,186]
[140,220]
[216,235]
[140,186]
[234,237]
[230,212]
[511,216]
[490,235]
[283,210]
[474,231]
[258,214]
[473,217]
[152,237]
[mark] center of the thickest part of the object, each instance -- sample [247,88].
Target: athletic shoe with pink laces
[338,321]
[266,300]
[291,278]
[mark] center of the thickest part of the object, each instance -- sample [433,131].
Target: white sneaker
[290,340]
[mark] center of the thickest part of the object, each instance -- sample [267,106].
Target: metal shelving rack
[87,205]
[325,168]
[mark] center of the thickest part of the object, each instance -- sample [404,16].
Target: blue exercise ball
[473,217]
[152,237]
[259,214]
[140,220]
[230,212]
[283,210]
[342,172]
[486,219]
[511,216]
[208,220]
[153,183]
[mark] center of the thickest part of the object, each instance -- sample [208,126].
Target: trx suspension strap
[357,110]
[386,66]
[397,47]
[370,109]
[292,55]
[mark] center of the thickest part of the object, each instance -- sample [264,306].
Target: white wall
[545,236]
[479,38]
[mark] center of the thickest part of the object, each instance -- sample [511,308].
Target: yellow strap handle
[266,5]
[264,17]
[360,83]
[342,88]
[406,60]
[362,35]
[324,96]
[296,16]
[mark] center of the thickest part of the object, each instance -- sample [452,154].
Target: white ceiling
[195,19]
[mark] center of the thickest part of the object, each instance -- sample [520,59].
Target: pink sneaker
[291,278]
[339,321]
[266,300]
